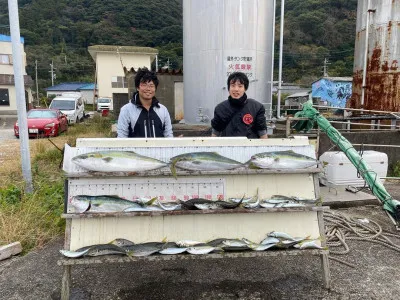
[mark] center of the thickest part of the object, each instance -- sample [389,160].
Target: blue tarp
[7,38]
[336,93]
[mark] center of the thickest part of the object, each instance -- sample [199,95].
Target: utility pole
[326,63]
[53,76]
[37,84]
[278,107]
[20,94]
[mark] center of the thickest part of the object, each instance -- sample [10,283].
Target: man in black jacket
[239,115]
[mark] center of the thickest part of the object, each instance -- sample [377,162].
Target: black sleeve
[261,121]
[218,123]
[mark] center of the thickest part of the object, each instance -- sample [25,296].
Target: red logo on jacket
[248,119]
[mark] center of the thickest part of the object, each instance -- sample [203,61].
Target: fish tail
[152,200]
[173,170]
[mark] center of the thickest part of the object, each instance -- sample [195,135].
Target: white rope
[340,228]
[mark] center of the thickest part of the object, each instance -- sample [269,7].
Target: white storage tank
[338,170]
[220,37]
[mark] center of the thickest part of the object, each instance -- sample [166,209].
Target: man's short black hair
[238,76]
[145,75]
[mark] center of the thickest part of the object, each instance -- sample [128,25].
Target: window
[4,98]
[119,82]
[5,59]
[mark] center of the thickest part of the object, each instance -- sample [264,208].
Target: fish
[234,243]
[105,249]
[74,254]
[172,251]
[206,206]
[291,204]
[191,204]
[281,235]
[270,240]
[267,205]
[143,249]
[308,244]
[198,250]
[202,161]
[122,242]
[216,243]
[188,243]
[85,203]
[243,200]
[203,204]
[117,161]
[169,206]
[254,204]
[281,160]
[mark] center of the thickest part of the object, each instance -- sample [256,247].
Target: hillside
[63,29]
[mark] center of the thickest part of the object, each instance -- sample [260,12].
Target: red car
[44,122]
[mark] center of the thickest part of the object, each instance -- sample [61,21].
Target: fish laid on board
[198,250]
[143,249]
[117,161]
[308,244]
[204,204]
[74,254]
[281,160]
[202,161]
[122,242]
[85,203]
[172,250]
[95,250]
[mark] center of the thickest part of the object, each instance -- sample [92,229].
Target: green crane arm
[370,176]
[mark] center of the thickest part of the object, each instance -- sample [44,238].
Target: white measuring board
[165,189]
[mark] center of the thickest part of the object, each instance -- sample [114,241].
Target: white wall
[111,64]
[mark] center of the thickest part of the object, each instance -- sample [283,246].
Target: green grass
[395,169]
[34,219]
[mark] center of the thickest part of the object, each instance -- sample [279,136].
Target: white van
[104,103]
[71,104]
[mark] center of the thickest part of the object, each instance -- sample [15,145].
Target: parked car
[44,122]
[71,104]
[104,104]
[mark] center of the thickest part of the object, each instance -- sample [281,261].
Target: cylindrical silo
[382,86]
[220,37]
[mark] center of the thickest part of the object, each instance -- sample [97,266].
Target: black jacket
[247,119]
[135,121]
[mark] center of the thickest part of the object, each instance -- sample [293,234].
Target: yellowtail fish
[202,161]
[281,160]
[117,161]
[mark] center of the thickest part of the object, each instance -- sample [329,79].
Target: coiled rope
[340,228]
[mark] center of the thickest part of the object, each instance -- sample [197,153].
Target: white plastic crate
[338,170]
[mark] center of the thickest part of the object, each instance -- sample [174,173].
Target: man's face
[236,89]
[146,90]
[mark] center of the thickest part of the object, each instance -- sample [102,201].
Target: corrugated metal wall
[382,85]
[220,37]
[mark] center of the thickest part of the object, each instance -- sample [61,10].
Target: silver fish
[293,205]
[254,204]
[234,243]
[202,161]
[169,206]
[281,160]
[172,251]
[206,206]
[142,249]
[200,250]
[267,205]
[105,249]
[74,254]
[122,242]
[308,244]
[188,243]
[270,240]
[117,161]
[282,235]
[85,203]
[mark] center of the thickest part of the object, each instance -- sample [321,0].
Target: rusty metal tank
[382,85]
[221,37]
